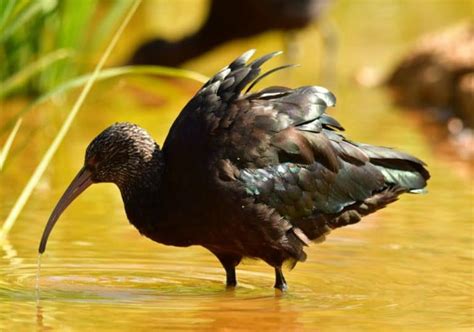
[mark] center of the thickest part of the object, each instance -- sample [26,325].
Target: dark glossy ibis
[257,175]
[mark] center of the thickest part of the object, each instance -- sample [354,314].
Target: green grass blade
[34,179]
[32,69]
[120,71]
[6,8]
[115,12]
[74,18]
[106,74]
[8,143]
[33,9]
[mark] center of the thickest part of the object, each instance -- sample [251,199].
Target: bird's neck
[141,194]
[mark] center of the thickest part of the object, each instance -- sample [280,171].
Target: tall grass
[34,179]
[42,42]
[108,73]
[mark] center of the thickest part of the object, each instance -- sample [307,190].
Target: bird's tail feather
[399,168]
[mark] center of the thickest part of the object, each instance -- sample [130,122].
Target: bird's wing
[290,156]
[283,149]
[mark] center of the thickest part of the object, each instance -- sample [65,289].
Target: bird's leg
[280,282]
[229,262]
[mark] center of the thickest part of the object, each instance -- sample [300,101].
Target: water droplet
[38,271]
[37,289]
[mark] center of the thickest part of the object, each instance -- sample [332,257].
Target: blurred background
[403,74]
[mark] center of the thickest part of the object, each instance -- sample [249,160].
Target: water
[407,267]
[38,273]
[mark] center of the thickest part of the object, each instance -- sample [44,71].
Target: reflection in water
[267,312]
[41,326]
[11,255]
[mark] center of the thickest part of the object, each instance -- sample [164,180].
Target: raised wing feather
[281,147]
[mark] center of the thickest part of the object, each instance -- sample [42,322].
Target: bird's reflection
[232,311]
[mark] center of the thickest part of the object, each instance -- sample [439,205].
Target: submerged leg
[229,262]
[280,282]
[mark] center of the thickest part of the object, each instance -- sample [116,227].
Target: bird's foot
[282,287]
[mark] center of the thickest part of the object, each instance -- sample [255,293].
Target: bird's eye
[93,162]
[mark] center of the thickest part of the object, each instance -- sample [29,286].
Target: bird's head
[120,154]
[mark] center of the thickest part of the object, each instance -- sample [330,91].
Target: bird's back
[269,172]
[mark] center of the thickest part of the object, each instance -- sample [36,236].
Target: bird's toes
[282,288]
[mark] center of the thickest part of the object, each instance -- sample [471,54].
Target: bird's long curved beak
[77,186]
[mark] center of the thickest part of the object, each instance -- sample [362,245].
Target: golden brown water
[408,267]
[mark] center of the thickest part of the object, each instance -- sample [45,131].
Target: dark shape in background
[439,73]
[229,20]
